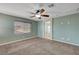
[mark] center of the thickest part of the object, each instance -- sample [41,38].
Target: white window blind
[21,27]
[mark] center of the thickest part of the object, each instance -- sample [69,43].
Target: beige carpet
[39,46]
[45,47]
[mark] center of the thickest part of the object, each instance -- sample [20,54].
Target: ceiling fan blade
[45,15]
[37,11]
[41,11]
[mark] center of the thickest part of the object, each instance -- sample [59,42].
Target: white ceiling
[24,9]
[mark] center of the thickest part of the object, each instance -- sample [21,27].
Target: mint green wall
[66,28]
[41,28]
[34,28]
[7,28]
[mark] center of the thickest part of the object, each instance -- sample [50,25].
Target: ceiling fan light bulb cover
[37,15]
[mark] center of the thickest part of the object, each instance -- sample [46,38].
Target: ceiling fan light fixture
[37,15]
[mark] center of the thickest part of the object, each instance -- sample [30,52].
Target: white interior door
[48,30]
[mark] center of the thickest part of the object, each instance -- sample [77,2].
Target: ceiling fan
[39,13]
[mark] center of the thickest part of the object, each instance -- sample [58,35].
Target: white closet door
[48,30]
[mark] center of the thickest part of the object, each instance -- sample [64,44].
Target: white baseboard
[16,41]
[66,42]
[42,38]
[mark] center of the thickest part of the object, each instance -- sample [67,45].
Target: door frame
[50,29]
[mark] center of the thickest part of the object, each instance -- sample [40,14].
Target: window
[21,27]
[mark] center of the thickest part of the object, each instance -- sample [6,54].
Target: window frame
[24,26]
